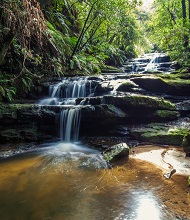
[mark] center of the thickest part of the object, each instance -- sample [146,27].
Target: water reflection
[46,185]
[148,208]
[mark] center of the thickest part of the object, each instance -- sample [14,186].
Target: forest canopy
[48,38]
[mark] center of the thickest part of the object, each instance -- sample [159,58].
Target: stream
[69,180]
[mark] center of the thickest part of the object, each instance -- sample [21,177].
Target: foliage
[170,30]
[23,18]
[56,37]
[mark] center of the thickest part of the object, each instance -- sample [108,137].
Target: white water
[66,91]
[69,124]
[153,64]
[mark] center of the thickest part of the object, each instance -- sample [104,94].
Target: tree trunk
[7,40]
[83,31]
[184,9]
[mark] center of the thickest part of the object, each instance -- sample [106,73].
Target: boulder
[143,108]
[116,153]
[89,101]
[184,107]
[158,133]
[127,86]
[141,102]
[103,88]
[27,122]
[168,86]
[101,119]
[166,115]
[186,144]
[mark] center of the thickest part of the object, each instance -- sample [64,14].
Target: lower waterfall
[69,124]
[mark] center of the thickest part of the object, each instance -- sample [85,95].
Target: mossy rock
[166,115]
[160,134]
[18,135]
[139,101]
[127,86]
[172,86]
[10,113]
[110,69]
[116,152]
[186,144]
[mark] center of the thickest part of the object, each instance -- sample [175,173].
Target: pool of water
[63,181]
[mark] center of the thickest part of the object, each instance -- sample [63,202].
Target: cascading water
[55,90]
[152,65]
[76,89]
[69,124]
[66,91]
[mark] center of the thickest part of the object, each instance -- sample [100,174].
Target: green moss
[19,134]
[116,152]
[12,107]
[166,114]
[176,79]
[151,102]
[139,101]
[160,134]
[11,110]
[127,86]
[110,69]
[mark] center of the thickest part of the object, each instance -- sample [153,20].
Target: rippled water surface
[70,182]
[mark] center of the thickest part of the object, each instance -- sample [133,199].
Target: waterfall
[55,90]
[69,124]
[152,65]
[66,91]
[76,89]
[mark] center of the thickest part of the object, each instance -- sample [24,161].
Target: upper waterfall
[66,91]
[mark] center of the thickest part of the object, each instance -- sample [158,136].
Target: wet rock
[169,174]
[139,101]
[110,69]
[184,107]
[166,115]
[116,152]
[162,58]
[160,85]
[127,86]
[143,108]
[100,119]
[18,135]
[159,133]
[186,144]
[103,88]
[23,134]
[89,101]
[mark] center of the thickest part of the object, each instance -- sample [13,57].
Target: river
[67,181]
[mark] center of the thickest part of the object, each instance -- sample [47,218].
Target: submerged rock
[116,152]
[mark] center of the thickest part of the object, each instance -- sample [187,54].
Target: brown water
[74,184]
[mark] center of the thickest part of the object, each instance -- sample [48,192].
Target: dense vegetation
[48,38]
[169,28]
